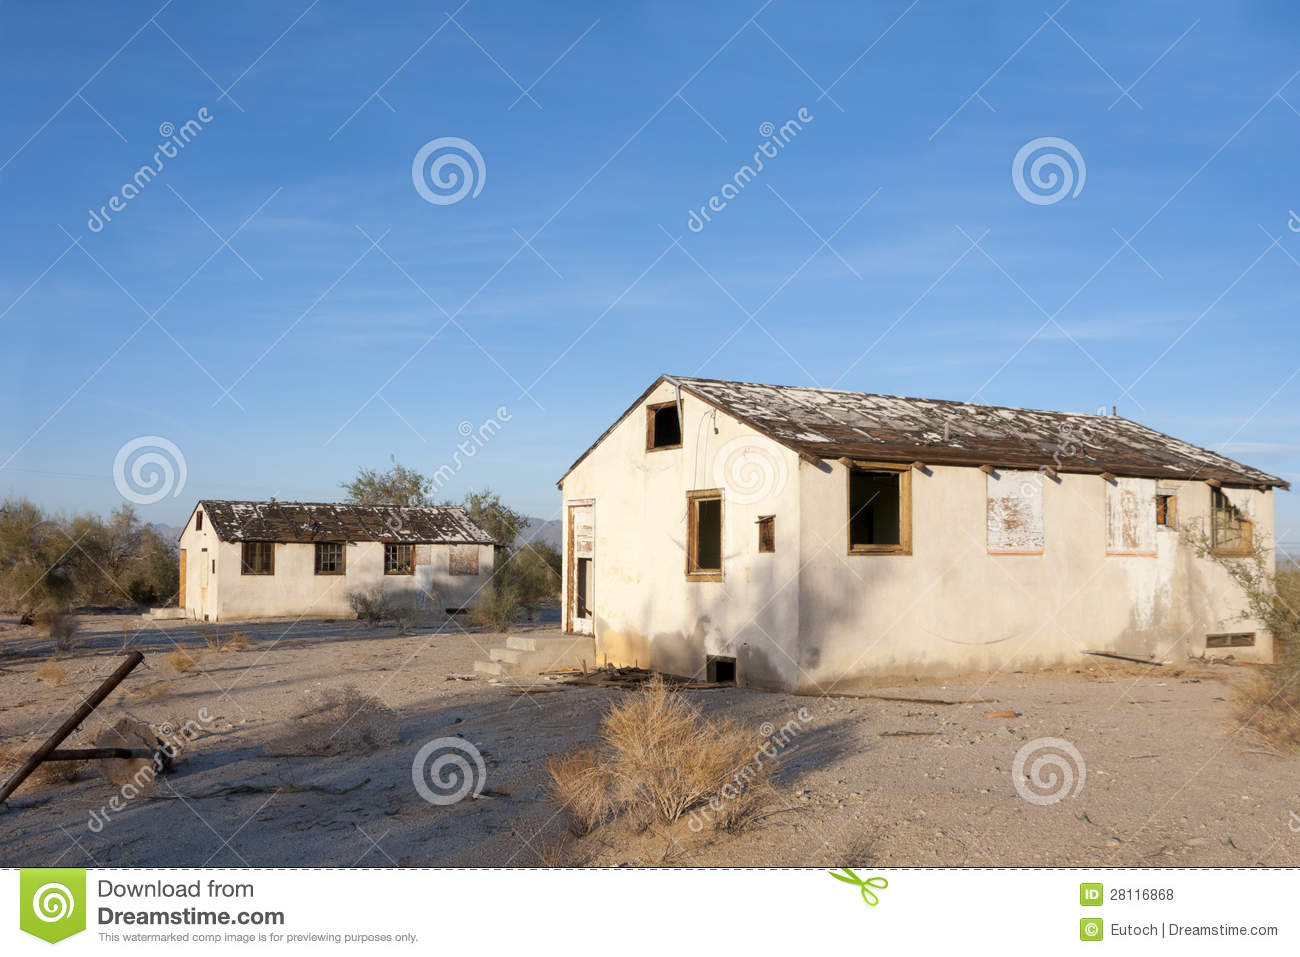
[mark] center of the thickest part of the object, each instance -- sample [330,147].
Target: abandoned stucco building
[302,559]
[795,537]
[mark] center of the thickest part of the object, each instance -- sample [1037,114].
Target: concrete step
[525,655]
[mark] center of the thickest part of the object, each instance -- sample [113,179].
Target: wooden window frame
[650,411]
[409,568]
[246,569]
[1248,529]
[343,559]
[198,521]
[693,572]
[904,471]
[766,534]
[1166,510]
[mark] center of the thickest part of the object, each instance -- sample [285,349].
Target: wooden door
[180,597]
[581,543]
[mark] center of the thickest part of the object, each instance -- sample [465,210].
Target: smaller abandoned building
[796,537]
[305,559]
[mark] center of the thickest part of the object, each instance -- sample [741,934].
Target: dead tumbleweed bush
[12,756]
[338,721]
[581,784]
[662,757]
[181,660]
[51,673]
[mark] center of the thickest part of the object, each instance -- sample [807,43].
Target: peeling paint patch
[1015,513]
[1131,516]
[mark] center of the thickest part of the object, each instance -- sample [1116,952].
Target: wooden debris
[885,697]
[905,734]
[1000,714]
[1137,661]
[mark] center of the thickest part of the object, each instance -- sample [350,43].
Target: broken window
[663,426]
[704,538]
[399,559]
[329,558]
[198,522]
[767,533]
[1166,510]
[1232,532]
[880,509]
[258,558]
[463,560]
[1130,516]
[1015,513]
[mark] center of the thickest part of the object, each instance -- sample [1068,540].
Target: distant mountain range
[542,530]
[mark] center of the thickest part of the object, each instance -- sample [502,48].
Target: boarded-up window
[258,558]
[1131,516]
[1015,513]
[1232,531]
[463,560]
[1244,639]
[767,533]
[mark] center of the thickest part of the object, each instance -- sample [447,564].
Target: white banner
[653,912]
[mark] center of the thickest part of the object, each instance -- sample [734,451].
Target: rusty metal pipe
[81,714]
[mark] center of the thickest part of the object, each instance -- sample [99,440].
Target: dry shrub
[496,606]
[583,787]
[236,641]
[182,660]
[61,625]
[153,692]
[48,773]
[667,757]
[1270,703]
[239,641]
[661,758]
[51,673]
[339,721]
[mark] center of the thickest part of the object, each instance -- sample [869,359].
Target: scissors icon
[868,895]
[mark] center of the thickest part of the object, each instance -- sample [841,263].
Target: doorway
[581,571]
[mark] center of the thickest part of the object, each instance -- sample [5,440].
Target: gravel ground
[1169,780]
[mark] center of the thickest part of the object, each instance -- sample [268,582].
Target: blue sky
[884,248]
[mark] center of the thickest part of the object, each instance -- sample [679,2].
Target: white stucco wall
[951,606]
[812,614]
[645,610]
[295,590]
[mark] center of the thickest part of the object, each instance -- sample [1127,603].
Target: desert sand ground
[1170,780]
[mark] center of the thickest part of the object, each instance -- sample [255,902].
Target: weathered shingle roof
[335,521]
[830,424]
